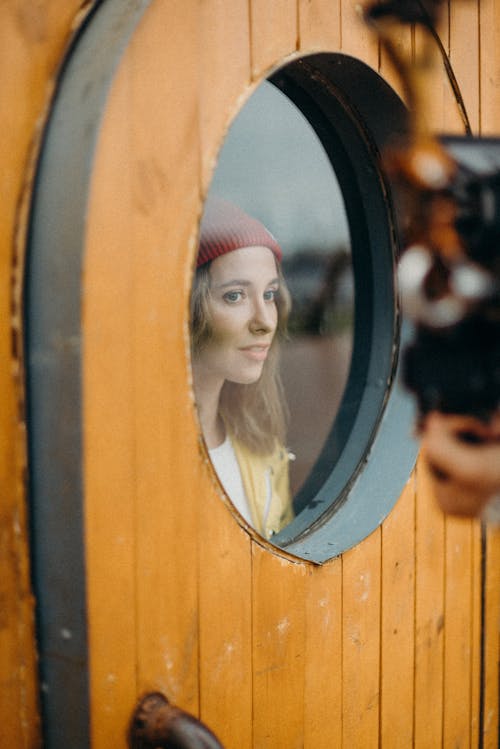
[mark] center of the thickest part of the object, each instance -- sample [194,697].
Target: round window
[301,162]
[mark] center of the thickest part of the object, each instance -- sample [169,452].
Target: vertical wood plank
[491,655]
[273,29]
[489,30]
[464,30]
[109,440]
[32,40]
[429,614]
[19,709]
[398,622]
[278,650]
[361,580]
[356,38]
[438,84]
[457,644]
[323,657]
[164,208]
[224,71]
[225,585]
[319,25]
[225,622]
[476,634]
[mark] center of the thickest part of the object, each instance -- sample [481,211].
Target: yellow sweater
[266,484]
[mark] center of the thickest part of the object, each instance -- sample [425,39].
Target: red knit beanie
[225,227]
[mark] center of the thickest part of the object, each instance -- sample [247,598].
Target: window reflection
[274,167]
[317,356]
[239,312]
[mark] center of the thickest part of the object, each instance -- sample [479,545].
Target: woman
[239,306]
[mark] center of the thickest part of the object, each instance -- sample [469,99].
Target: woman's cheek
[225,326]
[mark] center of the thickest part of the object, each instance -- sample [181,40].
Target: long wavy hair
[255,414]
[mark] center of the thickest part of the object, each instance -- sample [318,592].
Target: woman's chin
[247,378]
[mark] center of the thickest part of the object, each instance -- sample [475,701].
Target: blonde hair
[254,414]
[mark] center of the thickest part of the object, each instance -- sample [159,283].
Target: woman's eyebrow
[233,282]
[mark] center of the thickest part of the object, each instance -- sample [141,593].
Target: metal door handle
[156,724]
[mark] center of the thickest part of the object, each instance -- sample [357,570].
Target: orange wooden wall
[380,646]
[32,42]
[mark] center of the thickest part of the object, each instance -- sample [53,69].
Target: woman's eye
[270,295]
[233,296]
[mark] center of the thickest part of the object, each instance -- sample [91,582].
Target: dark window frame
[355,113]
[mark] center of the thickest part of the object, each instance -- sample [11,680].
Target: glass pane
[272,165]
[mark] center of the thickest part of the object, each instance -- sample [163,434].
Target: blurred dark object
[406,11]
[447,195]
[449,276]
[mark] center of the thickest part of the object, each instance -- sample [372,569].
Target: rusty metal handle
[156,724]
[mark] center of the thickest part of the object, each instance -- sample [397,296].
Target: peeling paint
[283,626]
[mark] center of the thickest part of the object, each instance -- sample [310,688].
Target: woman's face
[243,316]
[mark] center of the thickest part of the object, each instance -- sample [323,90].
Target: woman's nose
[264,317]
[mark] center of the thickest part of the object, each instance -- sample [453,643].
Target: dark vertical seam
[443,657]
[479,71]
[449,27]
[380,630]
[297,25]
[482,661]
[342,651]
[135,550]
[472,632]
[252,640]
[415,530]
[250,38]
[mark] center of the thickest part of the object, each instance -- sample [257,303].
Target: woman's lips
[256,352]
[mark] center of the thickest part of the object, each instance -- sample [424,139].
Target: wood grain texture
[458,675]
[429,614]
[464,24]
[361,610]
[365,650]
[225,599]
[435,114]
[33,38]
[279,635]
[355,36]
[108,433]
[165,185]
[489,38]
[224,69]
[379,648]
[398,622]
[477,655]
[224,562]
[319,25]
[491,677]
[273,29]
[323,677]
[144,219]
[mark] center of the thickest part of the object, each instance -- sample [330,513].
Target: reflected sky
[273,165]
